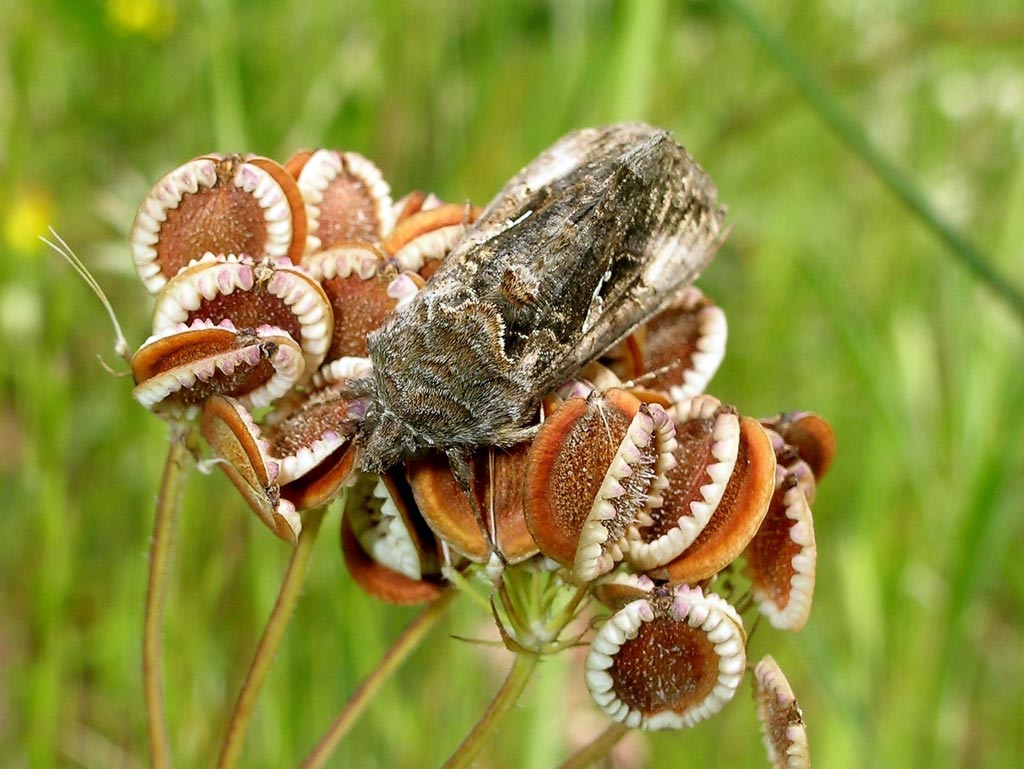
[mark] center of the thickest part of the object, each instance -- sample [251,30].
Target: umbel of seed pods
[268,279]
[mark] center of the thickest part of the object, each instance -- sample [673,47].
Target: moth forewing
[584,244]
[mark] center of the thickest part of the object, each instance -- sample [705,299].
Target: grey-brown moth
[583,245]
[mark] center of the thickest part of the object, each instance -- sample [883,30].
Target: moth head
[385,441]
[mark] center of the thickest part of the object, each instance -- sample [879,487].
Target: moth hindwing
[584,244]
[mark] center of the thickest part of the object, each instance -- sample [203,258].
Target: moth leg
[458,460]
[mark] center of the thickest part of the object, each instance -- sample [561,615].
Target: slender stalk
[273,633]
[500,706]
[597,748]
[850,132]
[407,640]
[167,506]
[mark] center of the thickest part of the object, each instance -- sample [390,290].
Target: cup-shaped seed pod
[346,198]
[497,486]
[679,349]
[313,443]
[595,466]
[389,551]
[239,204]
[235,438]
[782,556]
[738,515]
[250,295]
[782,723]
[708,438]
[421,240]
[357,282]
[668,660]
[185,364]
[619,588]
[811,436]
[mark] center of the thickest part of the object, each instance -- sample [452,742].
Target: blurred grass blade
[855,138]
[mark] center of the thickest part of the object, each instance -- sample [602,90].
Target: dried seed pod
[234,437]
[590,474]
[346,198]
[617,589]
[389,552]
[810,435]
[782,722]
[357,282]
[185,364]
[250,295]
[241,204]
[681,348]
[782,556]
[497,485]
[427,236]
[313,442]
[668,660]
[738,515]
[707,447]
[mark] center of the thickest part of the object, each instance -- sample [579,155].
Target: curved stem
[407,640]
[596,748]
[273,633]
[500,706]
[168,504]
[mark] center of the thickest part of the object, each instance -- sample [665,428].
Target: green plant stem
[597,748]
[500,706]
[273,633]
[407,640]
[856,139]
[167,506]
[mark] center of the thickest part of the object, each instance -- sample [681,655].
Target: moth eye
[716,495]
[239,204]
[782,556]
[782,724]
[184,364]
[667,660]
[346,198]
[250,295]
[497,486]
[235,438]
[387,553]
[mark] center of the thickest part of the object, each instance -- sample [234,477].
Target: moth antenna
[61,247]
[463,476]
[649,375]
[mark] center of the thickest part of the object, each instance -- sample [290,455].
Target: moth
[587,242]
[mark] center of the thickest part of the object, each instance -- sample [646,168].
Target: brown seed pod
[427,236]
[357,282]
[590,474]
[738,515]
[389,551]
[619,588]
[234,437]
[810,435]
[681,348]
[346,198]
[707,446]
[185,364]
[313,443]
[782,723]
[240,204]
[497,485]
[782,556]
[250,295]
[668,660]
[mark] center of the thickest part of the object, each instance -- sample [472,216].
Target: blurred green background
[839,300]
